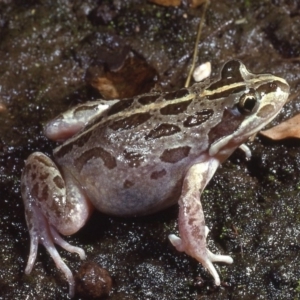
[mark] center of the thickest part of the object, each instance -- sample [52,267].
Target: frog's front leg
[53,203]
[191,222]
[73,120]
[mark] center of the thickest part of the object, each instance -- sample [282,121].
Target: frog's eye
[247,103]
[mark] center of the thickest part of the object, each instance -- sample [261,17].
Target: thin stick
[201,23]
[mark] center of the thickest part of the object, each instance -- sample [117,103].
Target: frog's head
[250,102]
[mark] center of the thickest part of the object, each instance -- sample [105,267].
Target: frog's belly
[131,193]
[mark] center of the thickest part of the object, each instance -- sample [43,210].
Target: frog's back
[132,160]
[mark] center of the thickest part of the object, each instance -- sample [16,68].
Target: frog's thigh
[70,122]
[59,198]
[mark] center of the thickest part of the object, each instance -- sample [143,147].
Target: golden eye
[247,104]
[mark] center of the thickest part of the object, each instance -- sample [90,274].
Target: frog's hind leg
[52,205]
[192,227]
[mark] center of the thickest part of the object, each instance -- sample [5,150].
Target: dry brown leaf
[134,76]
[167,2]
[196,3]
[287,129]
[2,107]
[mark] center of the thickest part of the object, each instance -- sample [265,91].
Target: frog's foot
[206,257]
[192,229]
[41,232]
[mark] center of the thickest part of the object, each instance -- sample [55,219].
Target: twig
[201,23]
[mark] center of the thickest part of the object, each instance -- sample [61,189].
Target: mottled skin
[138,156]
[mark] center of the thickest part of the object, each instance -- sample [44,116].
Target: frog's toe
[206,231]
[34,243]
[176,242]
[219,258]
[62,266]
[212,270]
[208,264]
[246,150]
[65,245]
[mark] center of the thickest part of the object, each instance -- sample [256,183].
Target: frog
[138,156]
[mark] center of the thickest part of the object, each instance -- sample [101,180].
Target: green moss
[297,289]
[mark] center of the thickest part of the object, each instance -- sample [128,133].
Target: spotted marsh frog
[138,156]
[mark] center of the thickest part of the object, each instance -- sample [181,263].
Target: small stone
[92,281]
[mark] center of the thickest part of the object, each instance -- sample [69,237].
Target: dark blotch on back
[97,152]
[198,118]
[158,174]
[176,154]
[133,159]
[176,94]
[147,99]
[120,106]
[84,138]
[230,74]
[162,130]
[176,108]
[130,122]
[127,184]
